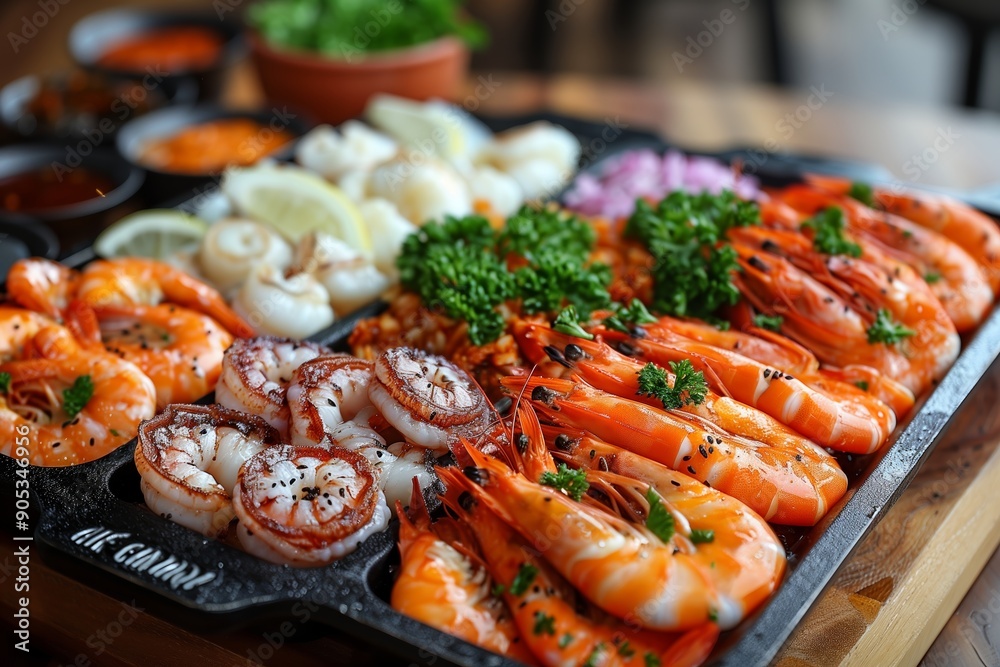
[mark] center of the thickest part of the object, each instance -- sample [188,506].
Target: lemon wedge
[433,128]
[154,233]
[295,202]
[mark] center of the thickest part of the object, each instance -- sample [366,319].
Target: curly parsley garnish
[862,192]
[651,659]
[699,536]
[76,397]
[689,385]
[692,273]
[769,322]
[885,330]
[522,580]
[467,270]
[626,318]
[932,277]
[594,655]
[5,380]
[571,482]
[568,322]
[659,520]
[451,266]
[544,623]
[828,233]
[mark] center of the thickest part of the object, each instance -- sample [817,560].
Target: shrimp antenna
[517,401]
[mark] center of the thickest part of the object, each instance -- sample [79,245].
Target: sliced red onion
[644,173]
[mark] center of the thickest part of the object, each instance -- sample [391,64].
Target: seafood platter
[484,408]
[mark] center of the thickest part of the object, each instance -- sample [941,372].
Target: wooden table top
[905,582]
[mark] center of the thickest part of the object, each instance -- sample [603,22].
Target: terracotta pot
[332,90]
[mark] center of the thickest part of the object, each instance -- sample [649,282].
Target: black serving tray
[93,514]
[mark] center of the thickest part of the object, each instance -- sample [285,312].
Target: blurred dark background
[921,51]
[928,52]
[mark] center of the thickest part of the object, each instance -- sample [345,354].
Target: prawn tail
[82,321]
[693,647]
[416,513]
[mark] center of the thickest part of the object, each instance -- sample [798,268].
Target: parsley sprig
[659,520]
[626,318]
[5,380]
[692,273]
[568,322]
[571,482]
[885,330]
[522,580]
[828,233]
[466,269]
[769,322]
[544,623]
[689,385]
[76,397]
[862,192]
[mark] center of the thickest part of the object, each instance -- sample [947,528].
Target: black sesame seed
[691,470]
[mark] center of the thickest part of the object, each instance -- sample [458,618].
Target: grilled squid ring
[307,506]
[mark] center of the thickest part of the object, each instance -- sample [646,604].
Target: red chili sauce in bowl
[41,189]
[174,49]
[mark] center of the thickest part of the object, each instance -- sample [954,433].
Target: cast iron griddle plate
[93,513]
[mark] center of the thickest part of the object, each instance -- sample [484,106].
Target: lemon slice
[154,233]
[295,202]
[433,128]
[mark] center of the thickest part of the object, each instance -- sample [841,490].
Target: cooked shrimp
[608,370]
[137,281]
[17,327]
[444,587]
[860,426]
[42,285]
[427,191]
[558,628]
[894,394]
[794,484]
[386,224]
[500,192]
[350,277]
[974,231]
[428,399]
[329,406]
[323,393]
[743,556]
[834,322]
[620,567]
[295,305]
[189,457]
[233,247]
[541,157]
[954,276]
[759,344]
[180,350]
[353,146]
[256,373]
[307,506]
[76,405]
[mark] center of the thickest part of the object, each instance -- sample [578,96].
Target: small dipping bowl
[49,184]
[136,137]
[79,105]
[168,35]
